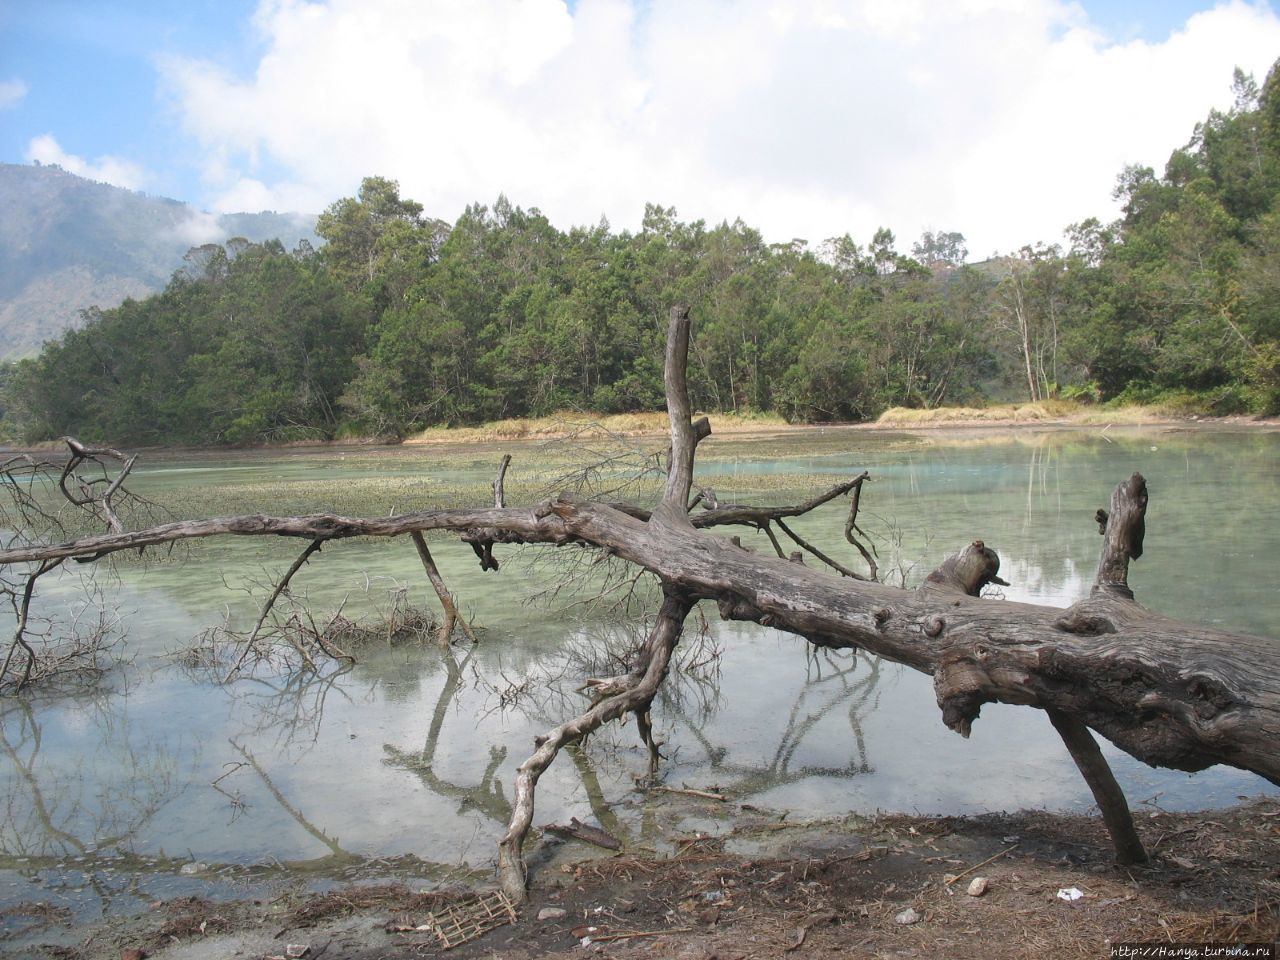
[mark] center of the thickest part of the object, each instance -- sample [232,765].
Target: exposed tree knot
[1210,696]
[796,557]
[882,615]
[934,625]
[1101,519]
[960,684]
[1084,624]
[738,608]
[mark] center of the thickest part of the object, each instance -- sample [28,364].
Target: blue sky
[1004,119]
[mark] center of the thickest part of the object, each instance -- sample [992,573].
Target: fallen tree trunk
[1171,694]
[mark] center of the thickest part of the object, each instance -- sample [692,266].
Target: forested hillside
[400,322]
[67,243]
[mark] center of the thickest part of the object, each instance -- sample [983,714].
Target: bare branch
[281,585]
[806,545]
[683,437]
[634,692]
[499,490]
[1106,791]
[451,615]
[22,608]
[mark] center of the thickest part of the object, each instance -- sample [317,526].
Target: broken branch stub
[1123,529]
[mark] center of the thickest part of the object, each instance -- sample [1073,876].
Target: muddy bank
[764,887]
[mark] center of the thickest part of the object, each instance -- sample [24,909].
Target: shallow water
[408,757]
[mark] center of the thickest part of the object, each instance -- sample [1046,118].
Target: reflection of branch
[290,809]
[298,704]
[487,796]
[595,794]
[25,771]
[108,829]
[753,779]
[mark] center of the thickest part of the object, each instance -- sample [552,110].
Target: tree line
[399,321]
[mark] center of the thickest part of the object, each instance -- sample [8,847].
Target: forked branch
[628,694]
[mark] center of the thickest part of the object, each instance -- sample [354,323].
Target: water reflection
[487,795]
[55,807]
[404,759]
[842,684]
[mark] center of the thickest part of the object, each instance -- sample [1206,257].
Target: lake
[163,781]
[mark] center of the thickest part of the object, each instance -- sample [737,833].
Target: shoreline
[762,887]
[725,428]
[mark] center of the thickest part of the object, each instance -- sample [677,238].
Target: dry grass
[1044,411]
[566,422]
[1002,412]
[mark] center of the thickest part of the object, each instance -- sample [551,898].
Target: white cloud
[199,227]
[11,93]
[1005,119]
[107,169]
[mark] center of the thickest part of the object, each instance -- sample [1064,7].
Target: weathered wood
[630,693]
[452,617]
[968,571]
[1172,694]
[1102,782]
[1123,530]
[684,441]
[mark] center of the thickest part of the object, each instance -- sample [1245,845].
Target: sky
[1005,120]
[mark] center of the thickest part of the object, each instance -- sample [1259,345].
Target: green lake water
[405,762]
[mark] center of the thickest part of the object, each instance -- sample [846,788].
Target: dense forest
[399,322]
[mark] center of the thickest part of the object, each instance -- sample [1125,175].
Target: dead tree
[1168,693]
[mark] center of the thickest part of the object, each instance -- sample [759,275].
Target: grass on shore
[1044,411]
[567,422]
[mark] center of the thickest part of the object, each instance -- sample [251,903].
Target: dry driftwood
[1171,694]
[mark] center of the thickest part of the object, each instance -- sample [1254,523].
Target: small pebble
[977,886]
[907,916]
[552,913]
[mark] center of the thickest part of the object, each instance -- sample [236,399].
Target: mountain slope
[67,243]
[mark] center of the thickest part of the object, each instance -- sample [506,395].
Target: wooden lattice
[464,921]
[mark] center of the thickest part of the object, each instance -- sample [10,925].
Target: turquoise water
[408,758]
